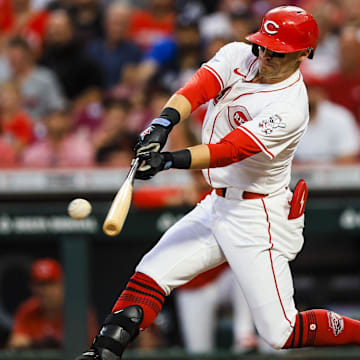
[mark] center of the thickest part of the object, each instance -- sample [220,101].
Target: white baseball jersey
[275,116]
[255,236]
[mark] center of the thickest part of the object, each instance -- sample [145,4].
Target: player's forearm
[200,157]
[181,104]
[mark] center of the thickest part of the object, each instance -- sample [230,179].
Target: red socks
[143,291]
[323,328]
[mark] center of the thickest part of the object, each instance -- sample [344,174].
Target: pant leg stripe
[272,265]
[293,338]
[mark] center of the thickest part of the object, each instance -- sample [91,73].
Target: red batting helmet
[287,29]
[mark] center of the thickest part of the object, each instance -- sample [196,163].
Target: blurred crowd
[79,79]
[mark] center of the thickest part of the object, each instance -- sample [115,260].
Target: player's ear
[255,49]
[304,54]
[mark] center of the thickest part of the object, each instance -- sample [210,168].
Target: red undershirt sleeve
[234,147]
[202,87]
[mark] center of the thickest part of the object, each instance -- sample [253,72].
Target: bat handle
[134,165]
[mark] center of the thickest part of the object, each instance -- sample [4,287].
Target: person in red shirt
[343,87]
[15,124]
[17,18]
[149,25]
[39,320]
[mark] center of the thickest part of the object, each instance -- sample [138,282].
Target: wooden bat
[120,206]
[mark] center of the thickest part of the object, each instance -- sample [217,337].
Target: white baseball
[79,209]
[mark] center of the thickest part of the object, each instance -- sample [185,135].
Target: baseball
[79,209]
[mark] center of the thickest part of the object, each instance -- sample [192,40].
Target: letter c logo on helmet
[268,25]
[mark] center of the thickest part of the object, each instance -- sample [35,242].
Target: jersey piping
[215,73]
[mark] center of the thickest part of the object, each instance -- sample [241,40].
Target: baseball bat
[120,206]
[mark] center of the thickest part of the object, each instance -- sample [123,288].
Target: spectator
[15,124]
[332,134]
[115,52]
[39,320]
[7,153]
[351,9]
[87,17]
[222,19]
[169,56]
[17,18]
[40,4]
[242,23]
[326,61]
[343,87]
[39,87]
[88,111]
[60,5]
[113,142]
[60,147]
[64,55]
[156,22]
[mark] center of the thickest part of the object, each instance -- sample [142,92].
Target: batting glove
[155,136]
[154,162]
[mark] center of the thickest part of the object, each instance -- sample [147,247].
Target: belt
[246,195]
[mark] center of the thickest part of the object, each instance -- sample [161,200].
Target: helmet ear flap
[255,50]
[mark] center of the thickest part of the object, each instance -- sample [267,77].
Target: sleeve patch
[267,126]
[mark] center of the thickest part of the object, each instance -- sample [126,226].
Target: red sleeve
[24,317]
[202,87]
[234,147]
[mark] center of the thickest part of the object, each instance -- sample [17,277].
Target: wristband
[168,118]
[178,159]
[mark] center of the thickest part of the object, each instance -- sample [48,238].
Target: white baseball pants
[255,237]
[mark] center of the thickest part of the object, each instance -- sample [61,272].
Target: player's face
[275,67]
[49,294]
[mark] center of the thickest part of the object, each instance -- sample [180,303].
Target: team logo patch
[336,322]
[238,115]
[268,125]
[271,27]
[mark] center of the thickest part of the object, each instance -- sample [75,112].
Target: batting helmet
[287,29]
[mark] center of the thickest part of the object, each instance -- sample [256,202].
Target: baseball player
[257,114]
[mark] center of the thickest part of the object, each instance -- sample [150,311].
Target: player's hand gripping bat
[120,206]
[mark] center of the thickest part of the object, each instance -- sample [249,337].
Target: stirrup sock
[323,328]
[142,290]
